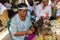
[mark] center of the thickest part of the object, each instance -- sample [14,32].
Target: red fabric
[58,0]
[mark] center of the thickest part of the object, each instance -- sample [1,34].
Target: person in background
[54,9]
[53,3]
[44,11]
[37,8]
[21,25]
[58,10]
[39,5]
[3,14]
[31,13]
[31,5]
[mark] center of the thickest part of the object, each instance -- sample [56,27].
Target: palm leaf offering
[44,37]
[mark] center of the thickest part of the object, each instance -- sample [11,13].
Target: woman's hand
[44,18]
[19,34]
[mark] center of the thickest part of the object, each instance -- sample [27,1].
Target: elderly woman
[21,25]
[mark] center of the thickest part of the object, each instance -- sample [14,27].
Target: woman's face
[45,3]
[22,12]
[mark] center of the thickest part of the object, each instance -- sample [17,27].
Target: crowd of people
[22,23]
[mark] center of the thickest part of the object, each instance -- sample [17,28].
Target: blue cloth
[17,26]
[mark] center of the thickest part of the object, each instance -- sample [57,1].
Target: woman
[21,25]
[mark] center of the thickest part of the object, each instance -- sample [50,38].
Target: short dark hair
[22,5]
[30,2]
